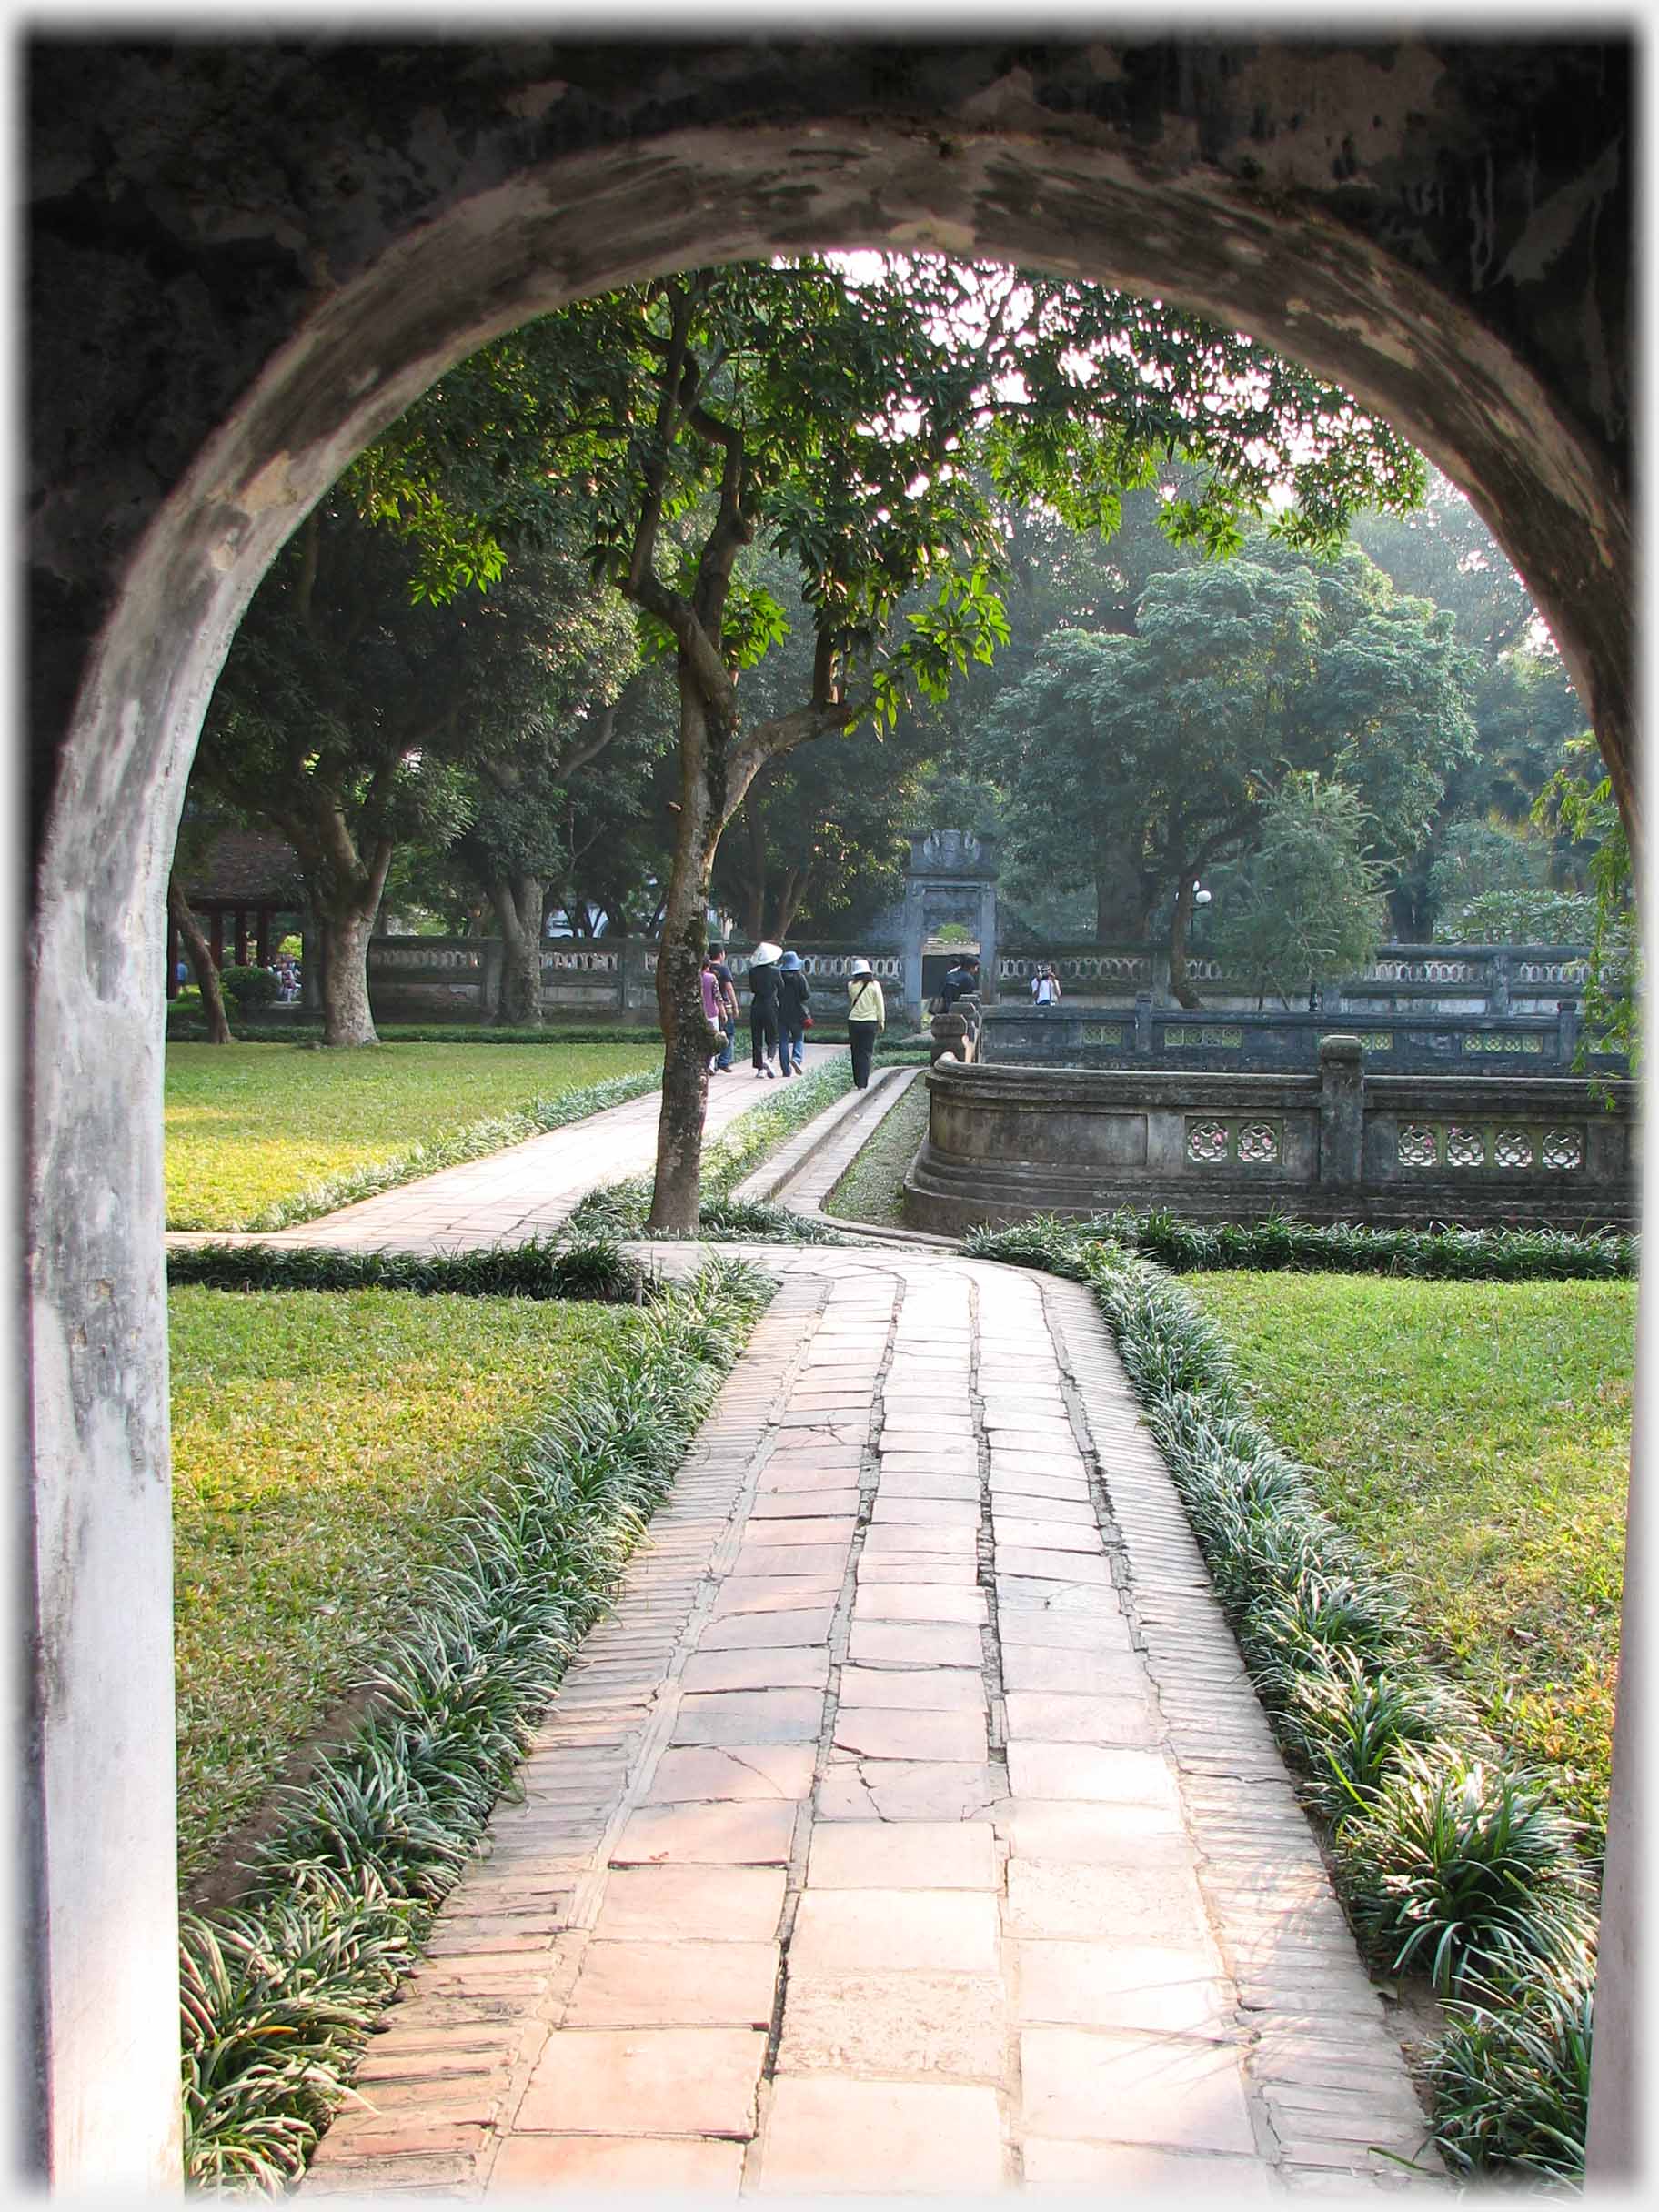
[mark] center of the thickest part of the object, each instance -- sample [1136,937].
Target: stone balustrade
[1341,1144]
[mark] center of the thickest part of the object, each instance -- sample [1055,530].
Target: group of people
[780,1012]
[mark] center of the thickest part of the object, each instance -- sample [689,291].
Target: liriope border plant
[593,1268]
[1451,1862]
[1446,1252]
[278,1995]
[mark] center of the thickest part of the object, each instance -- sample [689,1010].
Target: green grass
[1476,1439]
[258,1135]
[321,1443]
[871,1189]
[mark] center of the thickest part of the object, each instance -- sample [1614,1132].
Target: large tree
[839,416]
[1134,763]
[358,712]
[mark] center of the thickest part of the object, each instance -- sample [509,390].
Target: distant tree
[1579,800]
[1491,884]
[1523,708]
[1136,763]
[1309,908]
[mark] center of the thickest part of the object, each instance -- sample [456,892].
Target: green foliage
[1580,803]
[1511,2075]
[582,1268]
[378,1833]
[275,2006]
[1309,907]
[1469,1255]
[1455,1865]
[1490,885]
[249,986]
[1137,759]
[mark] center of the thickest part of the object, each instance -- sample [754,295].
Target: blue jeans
[730,1025]
[792,1050]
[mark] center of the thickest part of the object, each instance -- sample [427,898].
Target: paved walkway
[910,1824]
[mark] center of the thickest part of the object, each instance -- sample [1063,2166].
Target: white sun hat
[765,953]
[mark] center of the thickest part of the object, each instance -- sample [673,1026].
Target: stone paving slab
[960,1861]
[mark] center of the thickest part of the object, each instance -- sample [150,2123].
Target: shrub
[249,986]
[1346,1724]
[1456,1862]
[1511,2075]
[1444,1251]
[592,1268]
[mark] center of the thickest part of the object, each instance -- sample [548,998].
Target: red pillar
[263,955]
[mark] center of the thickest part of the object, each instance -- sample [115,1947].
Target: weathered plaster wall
[244,261]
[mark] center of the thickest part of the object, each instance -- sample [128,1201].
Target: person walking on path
[763,1005]
[793,999]
[711,1012]
[728,1005]
[865,1015]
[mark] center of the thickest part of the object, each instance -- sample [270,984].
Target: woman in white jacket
[865,1015]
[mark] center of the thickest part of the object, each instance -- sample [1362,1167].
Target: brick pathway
[910,1824]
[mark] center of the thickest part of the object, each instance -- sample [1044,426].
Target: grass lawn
[1475,1437]
[871,1189]
[252,1127]
[320,1441]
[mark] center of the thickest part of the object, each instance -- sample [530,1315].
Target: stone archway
[287,244]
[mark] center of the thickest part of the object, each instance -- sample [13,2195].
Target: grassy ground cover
[261,1134]
[1474,1438]
[871,1189]
[321,1443]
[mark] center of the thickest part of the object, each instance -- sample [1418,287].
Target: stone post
[1497,996]
[1161,978]
[1566,1030]
[1341,1111]
[1143,1021]
[490,952]
[988,944]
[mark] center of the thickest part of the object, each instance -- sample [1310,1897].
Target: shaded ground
[871,1190]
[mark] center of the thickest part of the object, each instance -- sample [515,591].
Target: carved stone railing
[1342,1144]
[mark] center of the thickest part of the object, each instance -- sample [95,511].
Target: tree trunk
[1181,980]
[1118,905]
[679,958]
[345,933]
[754,886]
[517,903]
[201,961]
[791,897]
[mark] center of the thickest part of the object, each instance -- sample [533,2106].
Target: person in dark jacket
[793,999]
[960,982]
[763,1006]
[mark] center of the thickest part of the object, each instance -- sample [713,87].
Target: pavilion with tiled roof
[248,893]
